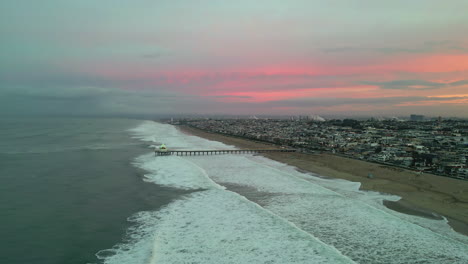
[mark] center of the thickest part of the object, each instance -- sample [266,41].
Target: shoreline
[423,195]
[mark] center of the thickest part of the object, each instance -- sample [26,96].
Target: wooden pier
[218,151]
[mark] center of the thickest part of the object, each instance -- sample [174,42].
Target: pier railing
[218,151]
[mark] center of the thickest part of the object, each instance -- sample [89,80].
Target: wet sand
[424,195]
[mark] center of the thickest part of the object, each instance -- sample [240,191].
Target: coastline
[423,195]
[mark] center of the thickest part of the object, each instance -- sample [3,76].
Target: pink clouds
[432,74]
[437,63]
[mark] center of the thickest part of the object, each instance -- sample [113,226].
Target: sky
[243,57]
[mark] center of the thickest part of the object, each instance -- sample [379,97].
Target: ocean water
[91,191]
[67,187]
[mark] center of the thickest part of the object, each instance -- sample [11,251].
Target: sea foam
[218,226]
[299,213]
[173,171]
[339,214]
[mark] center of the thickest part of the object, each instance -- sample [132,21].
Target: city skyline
[352,58]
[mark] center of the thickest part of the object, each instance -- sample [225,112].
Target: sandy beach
[422,194]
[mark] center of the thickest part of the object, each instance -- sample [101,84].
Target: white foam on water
[334,211]
[241,170]
[218,226]
[351,190]
[174,171]
[158,133]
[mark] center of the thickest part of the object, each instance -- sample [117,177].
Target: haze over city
[234,57]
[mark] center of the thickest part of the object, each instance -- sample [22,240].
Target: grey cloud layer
[426,47]
[415,84]
[330,102]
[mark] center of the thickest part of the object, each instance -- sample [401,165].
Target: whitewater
[250,209]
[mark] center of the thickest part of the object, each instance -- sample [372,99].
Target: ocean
[91,191]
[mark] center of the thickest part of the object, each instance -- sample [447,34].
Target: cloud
[58,93]
[313,102]
[426,47]
[95,100]
[459,83]
[233,96]
[152,55]
[330,102]
[88,100]
[387,50]
[414,84]
[446,98]
[407,84]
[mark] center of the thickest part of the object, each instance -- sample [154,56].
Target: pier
[218,151]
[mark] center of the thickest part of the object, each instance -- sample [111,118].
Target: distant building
[416,117]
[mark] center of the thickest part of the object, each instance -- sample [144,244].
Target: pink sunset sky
[241,57]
